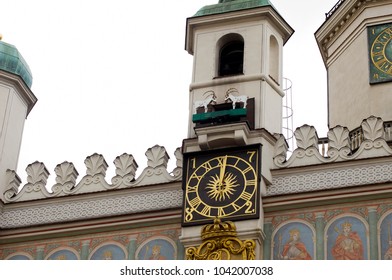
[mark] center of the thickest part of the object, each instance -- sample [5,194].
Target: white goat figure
[235,99]
[204,103]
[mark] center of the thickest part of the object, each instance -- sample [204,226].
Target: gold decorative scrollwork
[220,243]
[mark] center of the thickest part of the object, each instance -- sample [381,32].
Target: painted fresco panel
[294,241]
[109,252]
[156,249]
[161,243]
[63,254]
[346,239]
[386,237]
[19,257]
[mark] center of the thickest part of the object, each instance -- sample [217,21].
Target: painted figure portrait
[294,241]
[346,240]
[63,255]
[21,257]
[109,252]
[386,237]
[156,249]
[388,253]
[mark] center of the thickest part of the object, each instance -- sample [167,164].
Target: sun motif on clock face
[221,190]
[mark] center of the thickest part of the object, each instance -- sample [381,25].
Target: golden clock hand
[222,170]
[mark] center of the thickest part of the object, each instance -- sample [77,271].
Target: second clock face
[221,184]
[380,53]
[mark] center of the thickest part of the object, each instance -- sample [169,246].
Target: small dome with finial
[13,62]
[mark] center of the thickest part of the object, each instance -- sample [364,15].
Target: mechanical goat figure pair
[211,98]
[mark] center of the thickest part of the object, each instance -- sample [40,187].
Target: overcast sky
[113,76]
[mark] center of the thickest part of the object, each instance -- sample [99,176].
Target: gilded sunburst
[221,189]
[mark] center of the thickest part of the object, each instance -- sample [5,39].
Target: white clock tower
[238,45]
[236,90]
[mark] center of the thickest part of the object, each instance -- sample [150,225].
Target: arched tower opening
[230,55]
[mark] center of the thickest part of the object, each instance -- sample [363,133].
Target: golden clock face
[380,53]
[221,184]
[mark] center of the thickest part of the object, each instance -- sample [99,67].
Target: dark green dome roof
[225,6]
[13,62]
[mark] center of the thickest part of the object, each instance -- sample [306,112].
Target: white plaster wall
[351,98]
[256,34]
[205,48]
[12,117]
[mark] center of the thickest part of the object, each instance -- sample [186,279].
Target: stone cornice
[382,193]
[267,11]
[330,177]
[162,219]
[20,86]
[331,166]
[238,79]
[339,20]
[91,206]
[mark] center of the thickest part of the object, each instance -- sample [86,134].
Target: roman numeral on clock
[195,202]
[246,196]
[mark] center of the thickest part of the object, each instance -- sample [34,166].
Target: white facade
[343,42]
[325,184]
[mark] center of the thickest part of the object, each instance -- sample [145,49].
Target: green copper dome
[13,62]
[225,6]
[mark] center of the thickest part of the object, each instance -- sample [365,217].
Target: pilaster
[320,235]
[132,247]
[85,249]
[373,237]
[40,252]
[268,239]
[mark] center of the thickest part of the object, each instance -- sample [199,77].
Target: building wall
[321,231]
[344,42]
[133,244]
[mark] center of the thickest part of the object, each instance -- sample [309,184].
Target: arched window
[231,55]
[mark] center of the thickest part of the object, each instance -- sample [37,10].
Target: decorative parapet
[330,178]
[370,140]
[94,180]
[139,200]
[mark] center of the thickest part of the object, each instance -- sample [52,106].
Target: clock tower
[356,45]
[235,108]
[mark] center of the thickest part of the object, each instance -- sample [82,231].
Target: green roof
[225,6]
[13,62]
